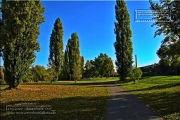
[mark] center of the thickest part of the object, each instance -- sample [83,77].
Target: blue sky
[94,24]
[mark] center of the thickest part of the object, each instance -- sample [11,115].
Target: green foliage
[82,66]
[160,69]
[135,73]
[56,47]
[108,67]
[166,57]
[123,44]
[104,65]
[100,66]
[21,21]
[66,67]
[167,69]
[39,73]
[1,75]
[89,69]
[169,50]
[73,66]
[51,73]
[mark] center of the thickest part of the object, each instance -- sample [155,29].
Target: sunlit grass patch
[83,82]
[161,93]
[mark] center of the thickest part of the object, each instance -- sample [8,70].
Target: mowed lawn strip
[161,93]
[68,101]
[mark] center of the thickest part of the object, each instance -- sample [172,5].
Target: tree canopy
[20,20]
[100,66]
[104,65]
[168,24]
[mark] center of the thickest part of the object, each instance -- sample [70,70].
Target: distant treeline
[157,69]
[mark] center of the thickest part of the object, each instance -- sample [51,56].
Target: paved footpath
[124,106]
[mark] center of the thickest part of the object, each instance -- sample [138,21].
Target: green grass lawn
[87,99]
[92,81]
[71,101]
[161,93]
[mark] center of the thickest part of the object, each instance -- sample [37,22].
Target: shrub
[39,73]
[135,73]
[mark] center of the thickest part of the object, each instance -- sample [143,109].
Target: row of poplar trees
[19,30]
[68,65]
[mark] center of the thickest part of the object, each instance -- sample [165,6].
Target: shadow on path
[124,106]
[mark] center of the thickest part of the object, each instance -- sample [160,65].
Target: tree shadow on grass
[71,108]
[163,103]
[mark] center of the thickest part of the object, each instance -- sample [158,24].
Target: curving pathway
[124,106]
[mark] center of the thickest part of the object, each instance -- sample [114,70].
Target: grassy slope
[83,100]
[161,93]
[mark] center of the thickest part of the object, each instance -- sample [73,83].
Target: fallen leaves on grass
[69,101]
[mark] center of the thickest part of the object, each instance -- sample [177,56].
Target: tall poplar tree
[21,20]
[56,47]
[74,57]
[123,44]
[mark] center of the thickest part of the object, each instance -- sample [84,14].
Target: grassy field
[63,100]
[161,93]
[87,99]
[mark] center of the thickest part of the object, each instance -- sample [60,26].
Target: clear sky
[94,24]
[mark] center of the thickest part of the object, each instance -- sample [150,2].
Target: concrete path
[124,106]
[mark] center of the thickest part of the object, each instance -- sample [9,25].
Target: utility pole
[136,61]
